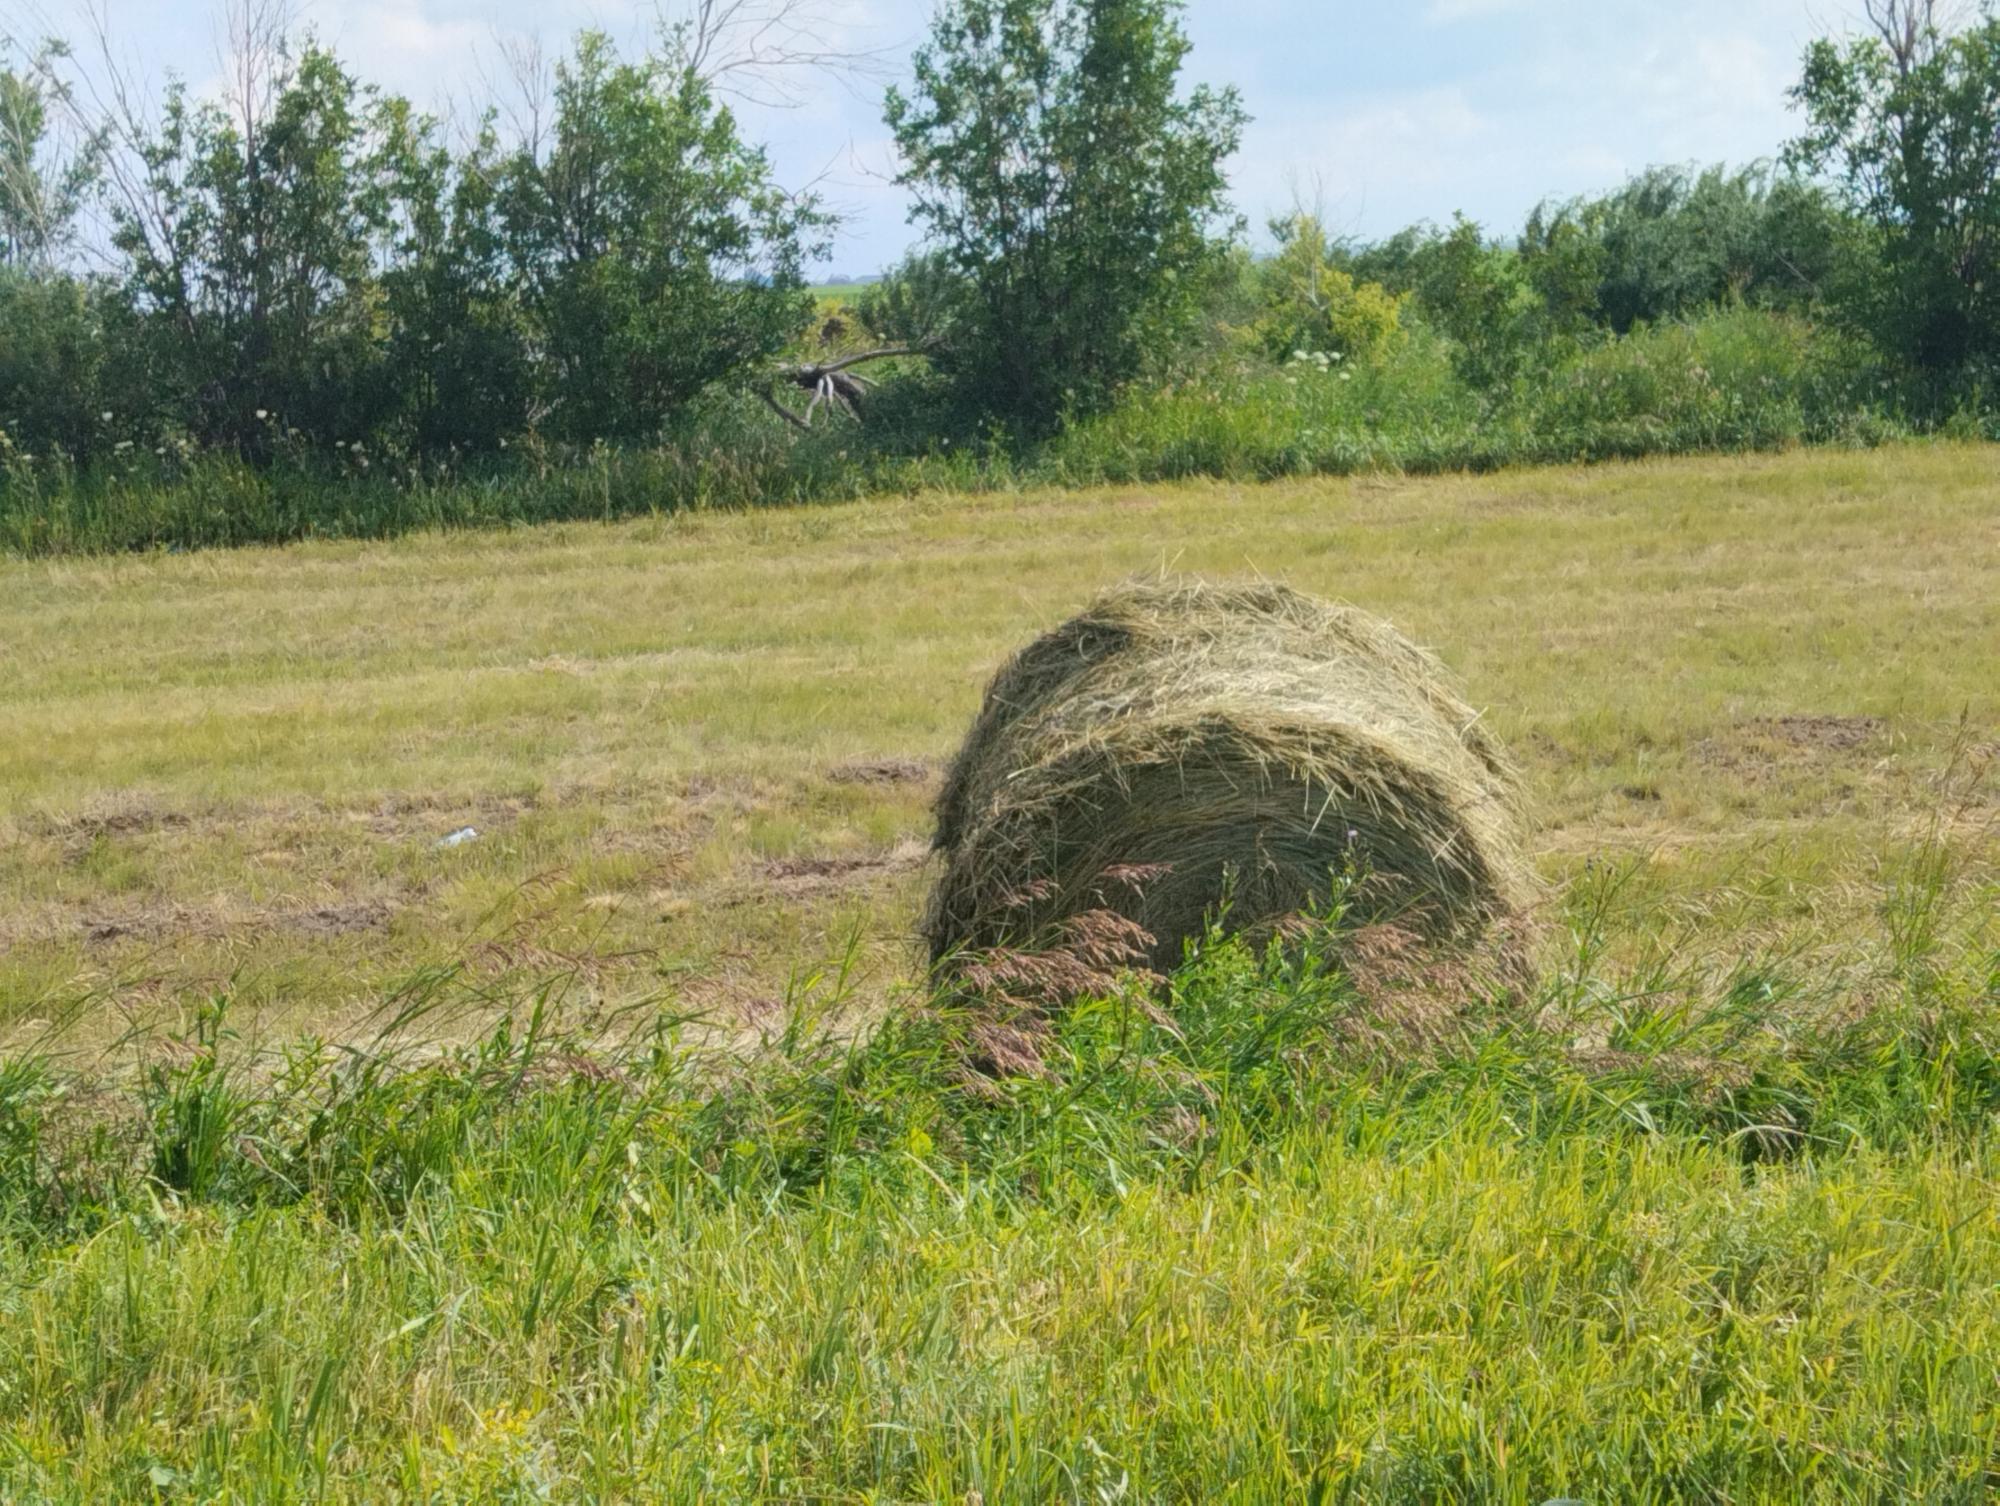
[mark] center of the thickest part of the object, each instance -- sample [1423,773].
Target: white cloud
[395,44]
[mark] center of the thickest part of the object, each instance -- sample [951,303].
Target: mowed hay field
[699,751]
[1706,1212]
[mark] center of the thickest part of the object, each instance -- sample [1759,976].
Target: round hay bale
[1232,742]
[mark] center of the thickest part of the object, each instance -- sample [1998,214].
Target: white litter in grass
[458,838]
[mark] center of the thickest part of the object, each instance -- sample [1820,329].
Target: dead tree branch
[834,383]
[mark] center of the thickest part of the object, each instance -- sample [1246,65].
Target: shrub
[1739,377]
[1308,303]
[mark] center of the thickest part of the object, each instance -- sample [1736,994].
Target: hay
[1239,740]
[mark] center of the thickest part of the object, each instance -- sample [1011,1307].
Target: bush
[1737,377]
[1309,305]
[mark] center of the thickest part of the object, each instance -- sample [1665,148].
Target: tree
[250,245]
[657,255]
[1060,171]
[1907,125]
[1908,28]
[1671,243]
[300,254]
[41,188]
[457,365]
[1466,288]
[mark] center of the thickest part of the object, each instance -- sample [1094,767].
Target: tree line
[308,264]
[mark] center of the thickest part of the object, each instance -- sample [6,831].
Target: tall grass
[1737,380]
[1683,1227]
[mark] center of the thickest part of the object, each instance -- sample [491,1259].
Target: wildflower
[262,414]
[105,415]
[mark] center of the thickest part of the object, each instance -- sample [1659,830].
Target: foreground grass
[700,748]
[1742,1247]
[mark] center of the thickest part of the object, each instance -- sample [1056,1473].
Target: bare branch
[524,94]
[867,355]
[764,52]
[831,382]
[103,95]
[783,412]
[1911,28]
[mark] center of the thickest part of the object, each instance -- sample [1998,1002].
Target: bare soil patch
[179,922]
[1829,733]
[1763,742]
[810,875]
[881,771]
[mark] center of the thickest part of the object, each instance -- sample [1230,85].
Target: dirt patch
[338,920]
[1831,733]
[405,817]
[820,868]
[124,822]
[80,832]
[810,875]
[153,923]
[1765,741]
[709,792]
[881,771]
[188,923]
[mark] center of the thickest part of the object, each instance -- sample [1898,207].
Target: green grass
[336,1165]
[1289,1249]
[227,770]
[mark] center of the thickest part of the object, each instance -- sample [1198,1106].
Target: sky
[1381,114]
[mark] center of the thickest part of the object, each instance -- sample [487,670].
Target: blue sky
[1384,113]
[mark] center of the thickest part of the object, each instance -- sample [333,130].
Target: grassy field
[1709,1214]
[698,750]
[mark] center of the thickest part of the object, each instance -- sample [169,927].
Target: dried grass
[1243,745]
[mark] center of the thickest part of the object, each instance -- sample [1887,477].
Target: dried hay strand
[1241,745]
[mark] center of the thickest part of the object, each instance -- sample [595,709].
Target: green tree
[251,244]
[1907,125]
[457,362]
[41,189]
[1671,243]
[1079,193]
[921,301]
[656,253]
